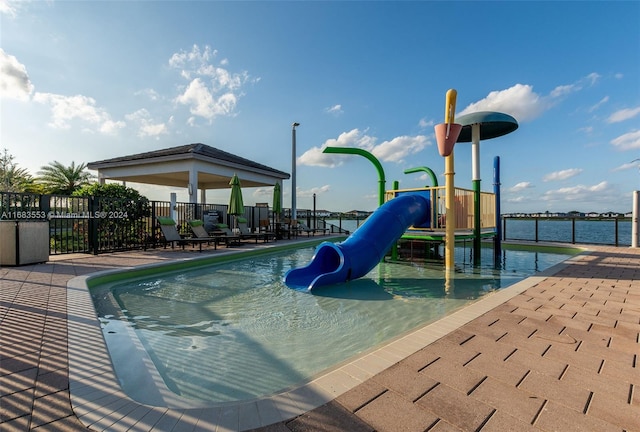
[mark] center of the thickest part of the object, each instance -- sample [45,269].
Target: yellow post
[450,231]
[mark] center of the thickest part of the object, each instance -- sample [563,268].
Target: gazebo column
[192,187]
[203,196]
[173,206]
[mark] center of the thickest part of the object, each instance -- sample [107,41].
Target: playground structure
[434,230]
[417,214]
[430,214]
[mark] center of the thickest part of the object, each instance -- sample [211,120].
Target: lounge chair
[302,227]
[223,232]
[171,234]
[198,231]
[266,228]
[245,232]
[289,228]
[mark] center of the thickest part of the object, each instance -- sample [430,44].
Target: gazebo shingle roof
[190,165]
[196,148]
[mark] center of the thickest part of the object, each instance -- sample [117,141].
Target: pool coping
[100,404]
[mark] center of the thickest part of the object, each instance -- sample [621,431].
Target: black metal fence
[576,230]
[99,225]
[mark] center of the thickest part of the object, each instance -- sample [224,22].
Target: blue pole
[497,247]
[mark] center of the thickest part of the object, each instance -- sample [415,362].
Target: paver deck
[559,351]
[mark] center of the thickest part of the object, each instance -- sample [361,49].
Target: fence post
[634,219]
[94,205]
[573,230]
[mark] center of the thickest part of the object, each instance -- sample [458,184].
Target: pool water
[233,331]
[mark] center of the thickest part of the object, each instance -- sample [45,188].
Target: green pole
[475,174]
[476,225]
[394,248]
[372,159]
[434,180]
[428,170]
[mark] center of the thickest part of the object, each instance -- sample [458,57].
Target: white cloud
[521,186]
[195,57]
[14,80]
[146,126]
[110,127]
[314,156]
[9,8]
[562,175]
[623,114]
[633,164]
[310,192]
[67,108]
[599,104]
[592,78]
[336,109]
[213,90]
[578,193]
[399,148]
[628,141]
[424,123]
[562,90]
[394,150]
[521,102]
[150,93]
[198,96]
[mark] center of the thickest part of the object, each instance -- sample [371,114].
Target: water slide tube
[340,262]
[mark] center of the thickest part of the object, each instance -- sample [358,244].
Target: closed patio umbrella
[277,201]
[236,205]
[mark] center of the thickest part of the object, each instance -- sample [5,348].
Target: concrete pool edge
[99,402]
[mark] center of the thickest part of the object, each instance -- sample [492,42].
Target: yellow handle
[450,106]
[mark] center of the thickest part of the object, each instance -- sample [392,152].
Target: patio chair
[198,231]
[289,228]
[266,228]
[302,227]
[245,232]
[222,232]
[171,234]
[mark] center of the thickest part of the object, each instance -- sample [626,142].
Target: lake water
[586,231]
[552,230]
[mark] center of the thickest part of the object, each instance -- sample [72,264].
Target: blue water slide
[340,262]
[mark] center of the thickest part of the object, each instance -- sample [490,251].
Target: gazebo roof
[172,167]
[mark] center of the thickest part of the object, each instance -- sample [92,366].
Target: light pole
[293,170]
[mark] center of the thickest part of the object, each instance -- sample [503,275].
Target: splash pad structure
[413,214]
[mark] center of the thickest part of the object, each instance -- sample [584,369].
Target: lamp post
[293,170]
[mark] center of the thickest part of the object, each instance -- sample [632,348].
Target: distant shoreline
[593,218]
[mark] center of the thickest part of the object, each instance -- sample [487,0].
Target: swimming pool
[232,331]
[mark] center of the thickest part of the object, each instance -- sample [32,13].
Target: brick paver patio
[562,355]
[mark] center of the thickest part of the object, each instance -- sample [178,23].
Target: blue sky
[84,81]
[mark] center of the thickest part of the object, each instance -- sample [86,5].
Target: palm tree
[60,179]
[12,178]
